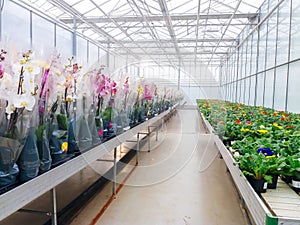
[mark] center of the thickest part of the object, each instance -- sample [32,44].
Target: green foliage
[246,129]
[40,132]
[290,166]
[62,121]
[107,114]
[256,165]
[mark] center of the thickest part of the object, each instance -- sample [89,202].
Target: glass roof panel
[155,25]
[84,6]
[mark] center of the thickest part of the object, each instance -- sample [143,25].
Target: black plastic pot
[273,185]
[296,184]
[259,185]
[287,179]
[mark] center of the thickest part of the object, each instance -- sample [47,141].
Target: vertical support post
[149,136]
[115,172]
[74,50]
[55,39]
[178,84]
[88,51]
[54,207]
[289,59]
[1,8]
[107,54]
[30,29]
[126,68]
[137,148]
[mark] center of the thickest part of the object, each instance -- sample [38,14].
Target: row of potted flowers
[264,142]
[51,111]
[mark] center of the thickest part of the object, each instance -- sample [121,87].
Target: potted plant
[255,167]
[290,167]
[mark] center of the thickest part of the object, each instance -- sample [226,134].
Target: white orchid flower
[10,109]
[25,100]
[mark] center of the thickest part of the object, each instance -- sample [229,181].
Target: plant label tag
[296,184]
[265,185]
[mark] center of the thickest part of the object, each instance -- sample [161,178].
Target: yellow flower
[23,61]
[69,98]
[276,125]
[262,131]
[246,130]
[64,146]
[287,131]
[140,90]
[58,73]
[24,104]
[45,65]
[29,69]
[270,156]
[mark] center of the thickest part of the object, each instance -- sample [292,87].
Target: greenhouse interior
[149,112]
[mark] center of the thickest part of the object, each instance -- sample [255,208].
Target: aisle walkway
[182,181]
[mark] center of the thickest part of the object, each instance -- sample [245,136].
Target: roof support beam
[175,53]
[81,19]
[228,23]
[197,30]
[168,20]
[179,25]
[122,29]
[168,47]
[178,41]
[184,17]
[153,32]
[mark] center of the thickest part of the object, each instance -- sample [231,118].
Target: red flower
[290,127]
[1,71]
[222,122]
[264,113]
[100,133]
[237,121]
[282,118]
[109,125]
[286,114]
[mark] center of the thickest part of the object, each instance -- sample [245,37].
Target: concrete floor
[182,181]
